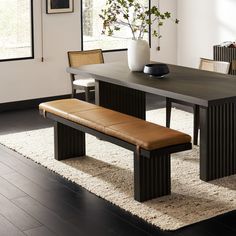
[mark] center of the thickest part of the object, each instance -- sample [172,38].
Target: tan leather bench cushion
[65,107]
[128,128]
[99,118]
[148,135]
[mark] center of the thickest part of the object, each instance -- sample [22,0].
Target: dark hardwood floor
[35,201]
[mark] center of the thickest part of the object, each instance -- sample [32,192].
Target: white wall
[168,42]
[29,79]
[203,23]
[21,80]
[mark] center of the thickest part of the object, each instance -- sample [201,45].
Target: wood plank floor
[35,201]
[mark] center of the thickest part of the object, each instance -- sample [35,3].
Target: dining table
[125,91]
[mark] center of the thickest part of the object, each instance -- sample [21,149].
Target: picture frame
[59,6]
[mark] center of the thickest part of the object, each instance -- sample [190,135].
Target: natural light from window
[92,28]
[15,29]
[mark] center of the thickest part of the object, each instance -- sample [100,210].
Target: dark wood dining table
[120,89]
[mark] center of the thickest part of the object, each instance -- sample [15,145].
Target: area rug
[107,171]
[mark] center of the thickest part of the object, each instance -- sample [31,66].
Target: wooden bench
[152,144]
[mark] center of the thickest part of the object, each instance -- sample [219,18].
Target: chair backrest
[216,66]
[79,58]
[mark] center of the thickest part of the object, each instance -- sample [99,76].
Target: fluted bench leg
[151,176]
[68,142]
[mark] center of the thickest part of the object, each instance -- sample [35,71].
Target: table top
[195,86]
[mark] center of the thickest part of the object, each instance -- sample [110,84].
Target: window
[92,28]
[16,29]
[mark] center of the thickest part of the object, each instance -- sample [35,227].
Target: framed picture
[59,6]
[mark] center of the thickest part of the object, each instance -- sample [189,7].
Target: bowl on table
[157,69]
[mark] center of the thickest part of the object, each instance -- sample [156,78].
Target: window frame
[32,38]
[109,50]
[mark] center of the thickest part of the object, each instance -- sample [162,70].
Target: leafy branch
[133,14]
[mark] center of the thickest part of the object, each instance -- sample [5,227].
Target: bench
[152,144]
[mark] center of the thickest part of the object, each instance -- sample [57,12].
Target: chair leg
[86,94]
[196,117]
[168,112]
[73,94]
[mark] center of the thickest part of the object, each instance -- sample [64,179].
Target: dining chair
[79,58]
[208,65]
[215,66]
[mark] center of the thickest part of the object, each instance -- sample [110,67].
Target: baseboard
[33,103]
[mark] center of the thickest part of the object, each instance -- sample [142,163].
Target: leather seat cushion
[148,135]
[64,107]
[100,118]
[145,134]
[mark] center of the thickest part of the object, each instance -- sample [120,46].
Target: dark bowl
[158,69]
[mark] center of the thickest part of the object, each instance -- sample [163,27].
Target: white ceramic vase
[138,54]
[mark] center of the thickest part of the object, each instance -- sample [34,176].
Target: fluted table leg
[218,141]
[119,98]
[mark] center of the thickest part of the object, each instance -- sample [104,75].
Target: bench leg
[68,142]
[151,177]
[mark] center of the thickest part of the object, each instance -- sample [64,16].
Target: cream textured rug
[107,172]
